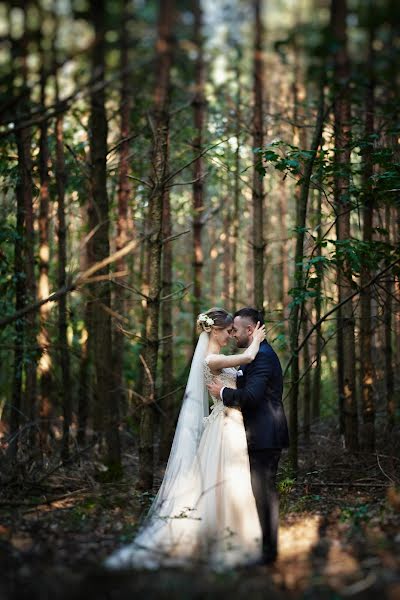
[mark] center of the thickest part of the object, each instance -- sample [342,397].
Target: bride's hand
[259,333]
[258,336]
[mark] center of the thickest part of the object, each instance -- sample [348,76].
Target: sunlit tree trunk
[44,367]
[342,128]
[106,406]
[159,166]
[366,365]
[258,140]
[198,196]
[84,389]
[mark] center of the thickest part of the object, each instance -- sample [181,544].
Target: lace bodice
[228,378]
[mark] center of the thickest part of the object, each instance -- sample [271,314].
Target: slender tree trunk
[366,365]
[84,390]
[198,200]
[213,265]
[258,140]
[284,259]
[167,356]
[389,371]
[298,280]
[25,190]
[160,121]
[306,386]
[227,261]
[101,311]
[124,193]
[236,201]
[316,399]
[19,278]
[342,114]
[64,355]
[44,367]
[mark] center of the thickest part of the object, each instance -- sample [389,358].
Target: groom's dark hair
[251,313]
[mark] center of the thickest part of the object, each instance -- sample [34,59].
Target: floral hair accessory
[205,322]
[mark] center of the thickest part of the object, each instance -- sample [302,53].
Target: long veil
[175,484]
[188,430]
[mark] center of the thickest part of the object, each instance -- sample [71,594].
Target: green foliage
[356,514]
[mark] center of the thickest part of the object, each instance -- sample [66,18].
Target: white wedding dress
[208,515]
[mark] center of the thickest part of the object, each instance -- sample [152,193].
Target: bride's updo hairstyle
[214,317]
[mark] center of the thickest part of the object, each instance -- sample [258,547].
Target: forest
[158,158]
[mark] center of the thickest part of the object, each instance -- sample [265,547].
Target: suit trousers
[263,468]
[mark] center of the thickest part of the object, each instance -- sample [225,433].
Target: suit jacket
[259,396]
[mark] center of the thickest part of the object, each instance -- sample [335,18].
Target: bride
[205,510]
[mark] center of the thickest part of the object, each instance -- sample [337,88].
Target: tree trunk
[101,290]
[25,191]
[18,359]
[316,398]
[258,140]
[366,365]
[284,258]
[389,372]
[85,374]
[298,281]
[160,126]
[306,386]
[124,193]
[64,355]
[44,367]
[167,356]
[236,201]
[198,200]
[226,264]
[342,116]
[397,320]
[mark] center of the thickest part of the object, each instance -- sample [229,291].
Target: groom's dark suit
[259,396]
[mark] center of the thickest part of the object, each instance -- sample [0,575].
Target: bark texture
[159,165]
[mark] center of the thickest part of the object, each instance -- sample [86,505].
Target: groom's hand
[215,388]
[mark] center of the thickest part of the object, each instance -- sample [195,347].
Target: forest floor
[339,532]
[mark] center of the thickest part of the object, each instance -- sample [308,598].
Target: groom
[259,396]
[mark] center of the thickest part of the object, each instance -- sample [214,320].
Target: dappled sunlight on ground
[339,537]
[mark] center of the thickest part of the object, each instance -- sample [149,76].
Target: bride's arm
[220,361]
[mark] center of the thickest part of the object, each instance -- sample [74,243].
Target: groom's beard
[243,343]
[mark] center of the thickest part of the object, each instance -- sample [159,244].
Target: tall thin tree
[44,366]
[366,364]
[63,353]
[159,168]
[295,314]
[342,132]
[98,128]
[198,199]
[123,198]
[258,138]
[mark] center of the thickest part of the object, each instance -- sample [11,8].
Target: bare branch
[73,284]
[175,236]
